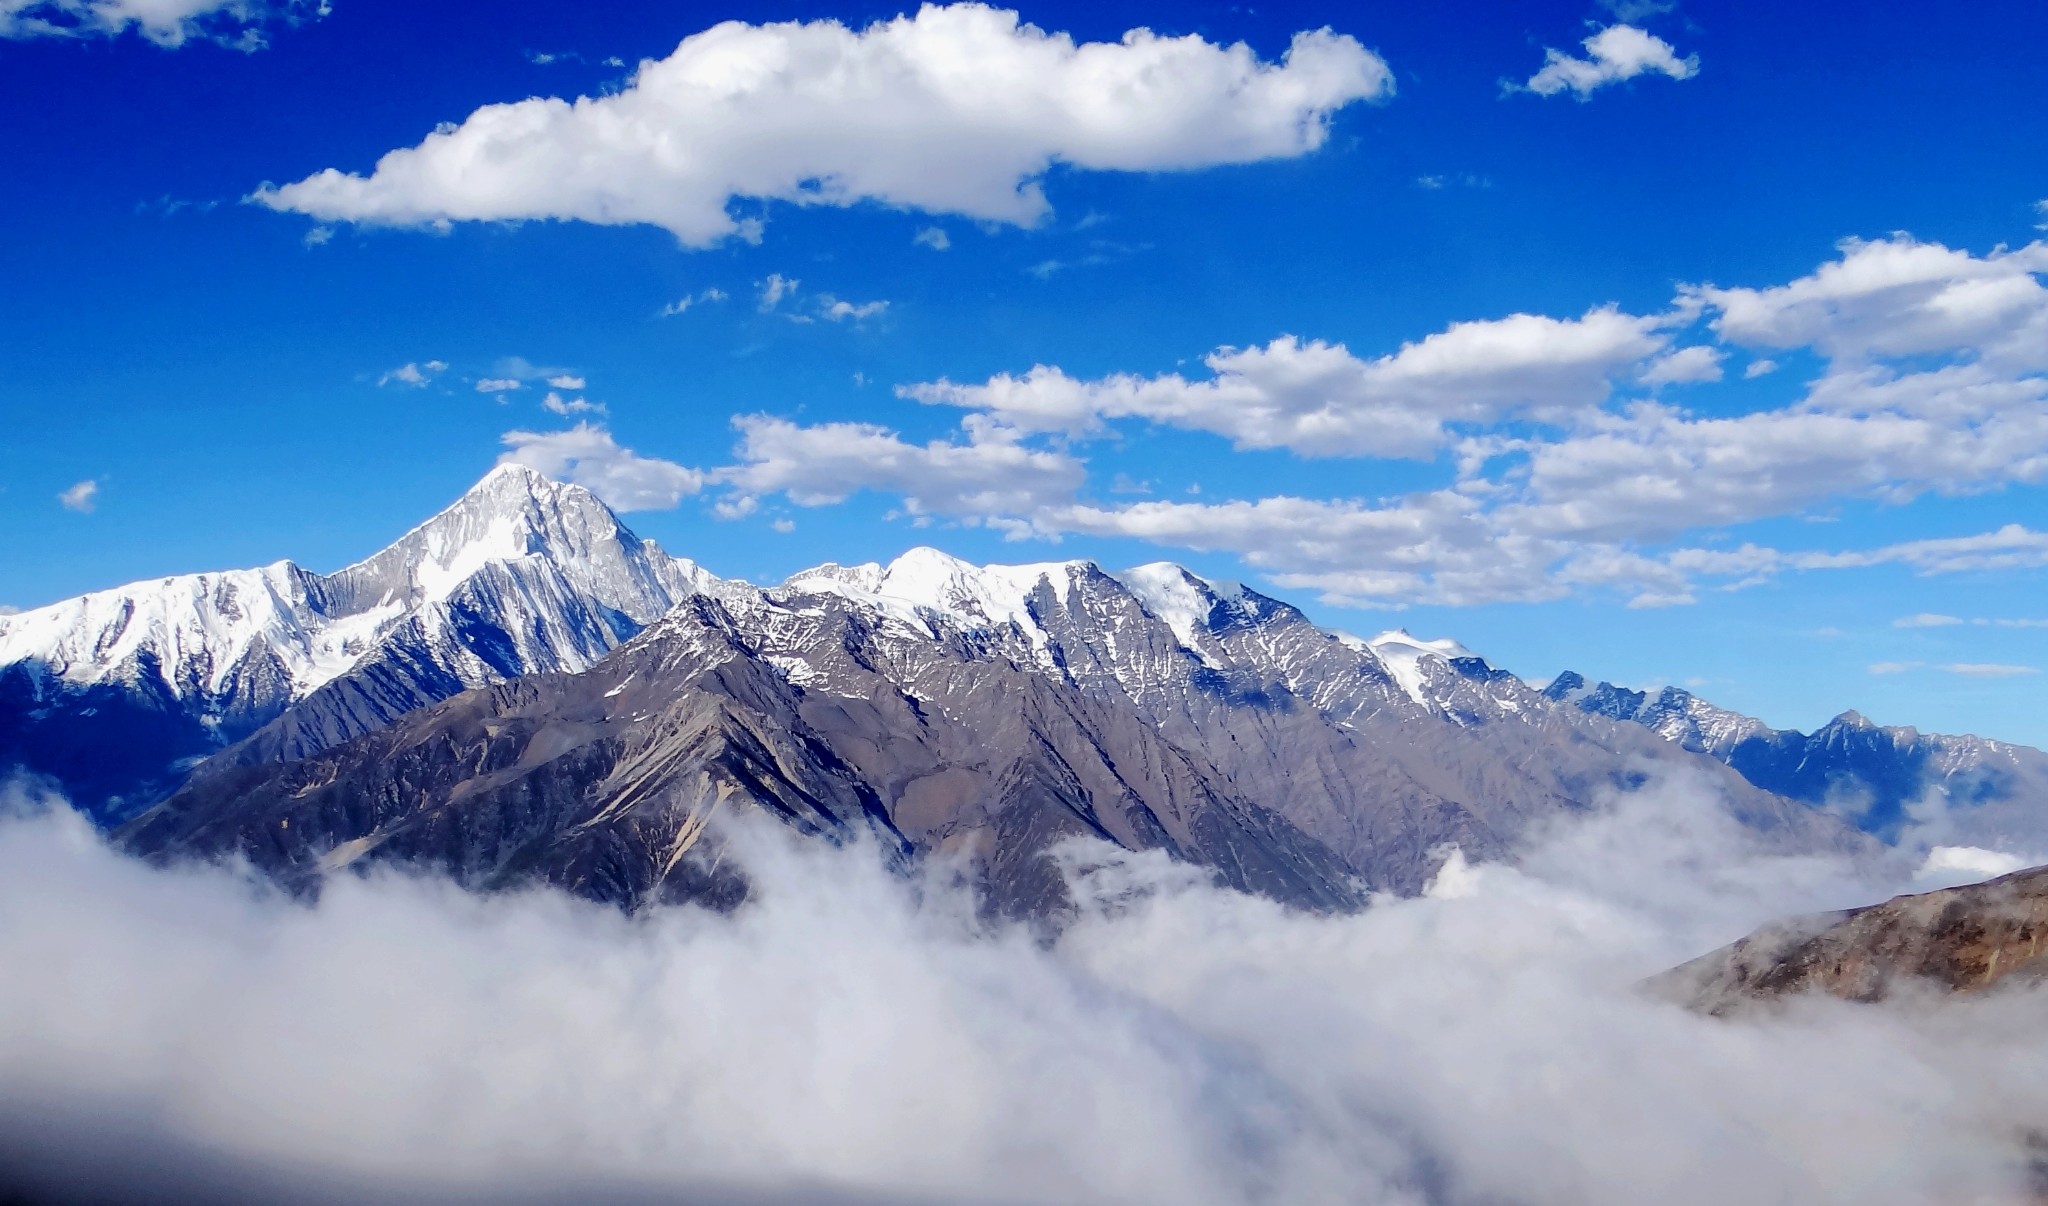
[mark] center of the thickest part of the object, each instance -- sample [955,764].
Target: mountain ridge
[979,710]
[986,712]
[1890,779]
[519,574]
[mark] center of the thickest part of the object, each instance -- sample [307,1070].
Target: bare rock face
[606,783]
[1959,940]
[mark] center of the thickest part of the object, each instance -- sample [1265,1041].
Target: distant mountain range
[521,689]
[1884,778]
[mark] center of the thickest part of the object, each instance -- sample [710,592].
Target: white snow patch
[1405,656]
[1181,600]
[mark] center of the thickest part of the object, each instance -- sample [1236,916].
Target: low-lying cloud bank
[848,1036]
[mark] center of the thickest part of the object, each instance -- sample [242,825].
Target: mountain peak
[510,468]
[519,487]
[512,512]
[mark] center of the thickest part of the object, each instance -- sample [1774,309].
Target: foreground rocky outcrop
[1970,939]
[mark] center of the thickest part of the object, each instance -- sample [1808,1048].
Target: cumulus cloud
[1564,477]
[168,23]
[80,496]
[958,109]
[414,373]
[987,477]
[588,456]
[1429,548]
[1614,54]
[934,237]
[498,385]
[1318,399]
[1684,366]
[569,381]
[1899,297]
[848,1035]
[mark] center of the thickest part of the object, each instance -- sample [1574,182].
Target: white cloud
[1432,548]
[414,374]
[784,525]
[400,1040]
[1893,667]
[1683,366]
[168,23]
[1616,53]
[2010,547]
[1317,399]
[80,496]
[557,404]
[1988,670]
[735,506]
[682,304]
[2041,209]
[1759,368]
[1948,866]
[1899,297]
[9,610]
[498,385]
[1565,479]
[1926,619]
[568,381]
[988,477]
[835,310]
[587,455]
[933,237]
[319,236]
[776,288]
[959,109]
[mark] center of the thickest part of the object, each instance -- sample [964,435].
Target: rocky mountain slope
[982,711]
[1958,940]
[1955,789]
[115,694]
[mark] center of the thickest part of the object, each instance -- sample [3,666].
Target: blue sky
[1586,379]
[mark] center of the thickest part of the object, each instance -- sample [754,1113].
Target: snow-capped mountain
[114,693]
[1672,713]
[1888,779]
[986,711]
